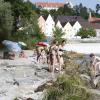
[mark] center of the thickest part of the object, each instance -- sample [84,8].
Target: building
[41,22]
[49,5]
[93,19]
[69,24]
[68,30]
[58,24]
[49,26]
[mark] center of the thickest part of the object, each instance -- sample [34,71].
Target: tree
[97,8]
[22,9]
[81,11]
[91,32]
[26,27]
[30,33]
[57,34]
[86,33]
[6,20]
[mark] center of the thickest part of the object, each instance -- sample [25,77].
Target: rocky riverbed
[20,77]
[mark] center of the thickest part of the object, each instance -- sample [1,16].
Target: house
[69,24]
[78,22]
[59,25]
[49,26]
[41,22]
[76,27]
[96,23]
[68,30]
[93,19]
[49,5]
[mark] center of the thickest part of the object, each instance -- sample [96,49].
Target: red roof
[49,4]
[93,19]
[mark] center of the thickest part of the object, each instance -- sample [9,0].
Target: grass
[68,86]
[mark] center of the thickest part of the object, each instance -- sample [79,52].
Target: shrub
[67,88]
[86,33]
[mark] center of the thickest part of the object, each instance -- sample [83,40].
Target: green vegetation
[67,88]
[86,33]
[57,34]
[6,20]
[19,22]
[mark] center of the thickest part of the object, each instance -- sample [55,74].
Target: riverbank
[23,78]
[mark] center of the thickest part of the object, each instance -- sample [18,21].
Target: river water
[85,48]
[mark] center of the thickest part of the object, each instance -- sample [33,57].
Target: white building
[59,25]
[68,30]
[76,27]
[49,26]
[69,24]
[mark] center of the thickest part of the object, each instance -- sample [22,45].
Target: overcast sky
[87,3]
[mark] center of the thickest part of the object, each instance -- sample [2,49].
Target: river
[85,48]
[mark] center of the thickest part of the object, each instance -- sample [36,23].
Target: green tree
[86,33]
[31,33]
[81,10]
[57,34]
[6,20]
[91,32]
[26,27]
[97,8]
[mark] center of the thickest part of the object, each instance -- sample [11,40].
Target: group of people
[53,55]
[12,55]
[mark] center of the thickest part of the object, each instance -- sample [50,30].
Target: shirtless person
[95,67]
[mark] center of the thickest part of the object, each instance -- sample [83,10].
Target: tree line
[77,10]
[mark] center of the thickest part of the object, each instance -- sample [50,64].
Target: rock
[44,86]
[16,83]
[86,80]
[29,99]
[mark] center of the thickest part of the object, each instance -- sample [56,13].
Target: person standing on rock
[95,67]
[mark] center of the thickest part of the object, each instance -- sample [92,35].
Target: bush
[86,33]
[67,88]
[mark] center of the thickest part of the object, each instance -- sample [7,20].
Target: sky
[87,3]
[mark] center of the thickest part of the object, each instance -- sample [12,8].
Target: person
[95,62]
[60,54]
[38,51]
[22,55]
[53,56]
[43,57]
[11,55]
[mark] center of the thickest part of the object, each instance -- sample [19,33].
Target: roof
[88,25]
[72,20]
[49,4]
[69,18]
[93,19]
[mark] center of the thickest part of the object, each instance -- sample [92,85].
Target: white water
[85,48]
